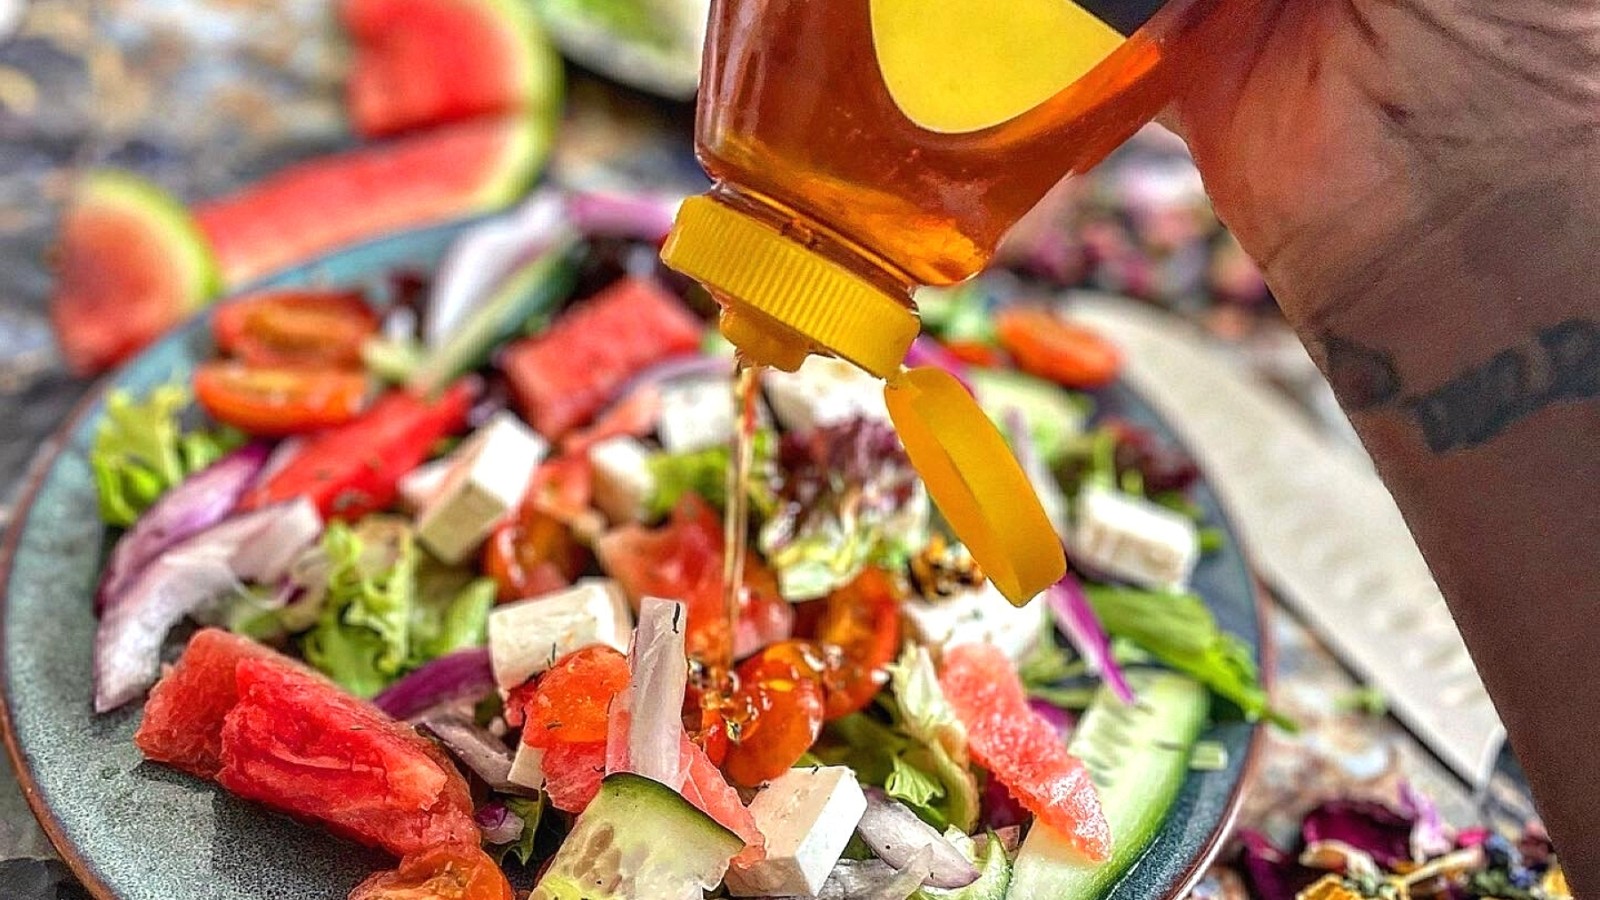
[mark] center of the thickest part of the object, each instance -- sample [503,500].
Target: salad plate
[133,830]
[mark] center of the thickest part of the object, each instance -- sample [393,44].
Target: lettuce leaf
[1178,630]
[994,870]
[451,611]
[705,472]
[531,812]
[140,450]
[362,637]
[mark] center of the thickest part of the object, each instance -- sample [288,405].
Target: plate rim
[59,440]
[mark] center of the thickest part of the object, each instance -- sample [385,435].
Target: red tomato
[634,415]
[443,873]
[355,468]
[531,555]
[278,401]
[778,712]
[682,560]
[1045,345]
[572,774]
[859,630]
[573,698]
[562,487]
[976,353]
[314,328]
[705,721]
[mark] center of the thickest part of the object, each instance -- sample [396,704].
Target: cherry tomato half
[275,401]
[444,873]
[778,712]
[705,719]
[1049,347]
[856,630]
[315,328]
[532,554]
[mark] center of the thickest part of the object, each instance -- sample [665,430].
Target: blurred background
[206,96]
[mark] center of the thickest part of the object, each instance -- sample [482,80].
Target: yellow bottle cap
[976,481]
[784,300]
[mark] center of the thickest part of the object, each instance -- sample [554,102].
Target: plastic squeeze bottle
[861,148]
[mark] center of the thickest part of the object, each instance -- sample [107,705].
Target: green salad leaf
[1178,630]
[362,637]
[451,611]
[141,450]
[705,472]
[531,811]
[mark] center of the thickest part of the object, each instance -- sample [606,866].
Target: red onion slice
[896,835]
[640,216]
[1076,620]
[482,257]
[655,692]
[478,749]
[462,675]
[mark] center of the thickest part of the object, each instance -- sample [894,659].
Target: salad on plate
[441,566]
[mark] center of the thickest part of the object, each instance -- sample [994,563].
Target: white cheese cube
[422,484]
[979,616]
[824,391]
[807,816]
[527,767]
[487,480]
[696,413]
[1134,540]
[623,482]
[527,636]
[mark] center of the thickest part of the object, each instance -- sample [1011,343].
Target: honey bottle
[862,148]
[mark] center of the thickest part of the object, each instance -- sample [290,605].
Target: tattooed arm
[1418,179]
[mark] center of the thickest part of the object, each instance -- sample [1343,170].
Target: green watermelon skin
[130,264]
[422,63]
[321,205]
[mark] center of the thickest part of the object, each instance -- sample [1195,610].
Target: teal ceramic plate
[135,831]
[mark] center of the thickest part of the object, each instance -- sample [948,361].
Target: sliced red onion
[498,823]
[640,216]
[1430,836]
[1045,486]
[1010,839]
[1076,620]
[462,675]
[190,508]
[999,808]
[896,835]
[927,351]
[1059,719]
[188,577]
[874,879]
[478,749]
[656,689]
[483,256]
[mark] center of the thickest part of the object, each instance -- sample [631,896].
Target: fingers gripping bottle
[861,148]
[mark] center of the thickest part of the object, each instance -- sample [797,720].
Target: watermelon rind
[167,217]
[520,163]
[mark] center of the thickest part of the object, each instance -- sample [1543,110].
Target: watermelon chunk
[130,264]
[564,376]
[1021,748]
[572,774]
[317,206]
[182,724]
[420,63]
[296,742]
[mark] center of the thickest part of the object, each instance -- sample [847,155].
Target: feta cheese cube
[527,767]
[422,484]
[527,636]
[1134,540]
[807,816]
[824,391]
[486,481]
[698,413]
[979,616]
[623,482]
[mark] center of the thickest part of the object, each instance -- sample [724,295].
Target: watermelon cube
[182,724]
[564,376]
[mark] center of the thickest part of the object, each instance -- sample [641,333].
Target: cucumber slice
[1055,416]
[1139,758]
[639,840]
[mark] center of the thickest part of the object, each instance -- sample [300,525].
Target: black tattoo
[1480,403]
[1361,376]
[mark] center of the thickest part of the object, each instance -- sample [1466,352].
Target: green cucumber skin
[1137,786]
[1053,415]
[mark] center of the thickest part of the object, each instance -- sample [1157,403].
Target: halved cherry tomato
[859,632]
[562,487]
[1049,347]
[532,554]
[277,401]
[976,353]
[444,873]
[355,468]
[706,721]
[315,328]
[777,711]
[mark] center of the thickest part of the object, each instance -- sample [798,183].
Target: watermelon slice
[1021,749]
[420,63]
[564,376]
[572,774]
[316,206]
[182,724]
[130,264]
[296,742]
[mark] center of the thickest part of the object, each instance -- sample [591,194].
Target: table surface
[203,95]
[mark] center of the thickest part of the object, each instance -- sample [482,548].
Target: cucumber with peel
[639,840]
[1138,757]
